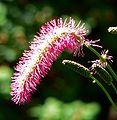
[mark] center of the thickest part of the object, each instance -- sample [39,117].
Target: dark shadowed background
[62,94]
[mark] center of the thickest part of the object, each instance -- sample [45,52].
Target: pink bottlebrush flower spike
[52,39]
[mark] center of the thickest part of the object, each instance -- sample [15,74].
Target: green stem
[108,66]
[112,72]
[105,91]
[94,51]
[113,86]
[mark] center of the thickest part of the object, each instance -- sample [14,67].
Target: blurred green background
[62,94]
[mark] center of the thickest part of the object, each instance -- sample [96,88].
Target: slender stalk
[112,72]
[108,66]
[94,51]
[113,86]
[106,92]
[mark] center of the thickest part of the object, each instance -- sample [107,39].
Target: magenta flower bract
[53,38]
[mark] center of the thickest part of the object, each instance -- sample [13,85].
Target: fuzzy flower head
[104,55]
[102,62]
[53,38]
